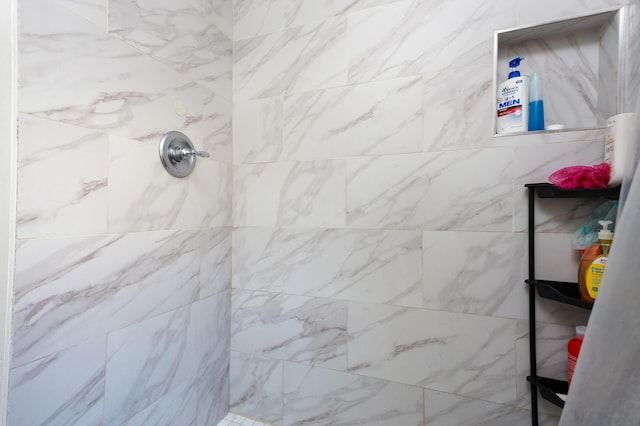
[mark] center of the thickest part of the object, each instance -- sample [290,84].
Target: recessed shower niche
[582,61]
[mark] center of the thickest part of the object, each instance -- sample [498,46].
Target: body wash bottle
[513,101]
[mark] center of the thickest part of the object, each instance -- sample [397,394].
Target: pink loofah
[576,177]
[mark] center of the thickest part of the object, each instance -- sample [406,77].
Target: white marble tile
[293,328]
[309,57]
[531,13]
[72,199]
[458,190]
[215,261]
[551,355]
[323,397]
[143,196]
[214,378]
[179,35]
[149,359]
[256,387]
[218,128]
[469,355]
[255,17]
[376,118]
[407,38]
[257,259]
[633,83]
[94,11]
[568,65]
[70,290]
[98,82]
[534,164]
[299,12]
[443,409]
[362,265]
[257,130]
[288,194]
[476,272]
[213,392]
[61,389]
[178,407]
[459,108]
[607,89]
[556,260]
[220,12]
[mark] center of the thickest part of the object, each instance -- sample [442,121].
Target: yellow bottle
[594,263]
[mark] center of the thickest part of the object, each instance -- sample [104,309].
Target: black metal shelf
[547,190]
[550,388]
[560,291]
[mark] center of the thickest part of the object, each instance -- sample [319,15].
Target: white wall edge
[8,177]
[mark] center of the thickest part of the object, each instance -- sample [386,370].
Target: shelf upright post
[532,308]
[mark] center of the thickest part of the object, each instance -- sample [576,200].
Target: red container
[574,350]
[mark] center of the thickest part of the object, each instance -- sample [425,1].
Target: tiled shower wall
[379,245]
[121,307]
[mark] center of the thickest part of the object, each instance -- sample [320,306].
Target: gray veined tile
[406,37]
[256,387]
[69,290]
[213,334]
[321,397]
[456,190]
[255,17]
[431,349]
[176,407]
[94,11]
[218,129]
[367,119]
[530,13]
[442,409]
[257,126]
[476,272]
[148,360]
[298,12]
[73,198]
[215,261]
[179,35]
[64,388]
[309,57]
[460,109]
[98,82]
[220,12]
[380,266]
[295,328]
[143,196]
[257,259]
[290,194]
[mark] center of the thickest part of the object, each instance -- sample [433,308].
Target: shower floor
[238,420]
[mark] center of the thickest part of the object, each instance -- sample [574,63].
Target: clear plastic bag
[588,233]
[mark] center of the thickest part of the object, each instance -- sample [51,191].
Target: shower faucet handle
[178,154]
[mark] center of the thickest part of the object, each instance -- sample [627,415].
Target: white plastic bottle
[513,101]
[618,145]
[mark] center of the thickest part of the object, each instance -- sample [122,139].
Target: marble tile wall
[379,244]
[122,289]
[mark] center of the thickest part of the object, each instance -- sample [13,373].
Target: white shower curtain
[606,386]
